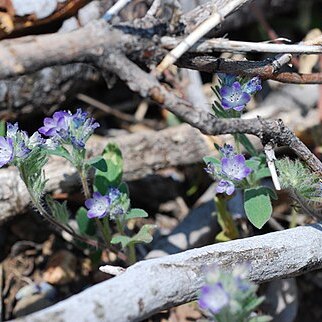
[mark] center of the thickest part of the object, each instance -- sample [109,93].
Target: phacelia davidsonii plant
[230,296]
[65,135]
[232,170]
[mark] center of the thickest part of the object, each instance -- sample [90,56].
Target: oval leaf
[136,213]
[258,206]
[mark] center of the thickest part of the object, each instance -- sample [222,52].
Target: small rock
[61,268]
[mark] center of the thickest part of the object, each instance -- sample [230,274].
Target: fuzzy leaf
[136,213]
[258,206]
[144,235]
[58,210]
[86,225]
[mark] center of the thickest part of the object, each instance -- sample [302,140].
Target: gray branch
[157,284]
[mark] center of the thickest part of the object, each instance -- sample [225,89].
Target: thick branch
[157,284]
[268,131]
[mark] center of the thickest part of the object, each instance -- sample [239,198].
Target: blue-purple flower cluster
[231,170]
[67,128]
[235,92]
[113,204]
[17,145]
[225,292]
[63,128]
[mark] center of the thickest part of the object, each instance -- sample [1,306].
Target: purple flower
[233,97]
[67,128]
[213,297]
[225,186]
[235,168]
[114,194]
[211,169]
[6,150]
[227,151]
[98,206]
[253,85]
[55,125]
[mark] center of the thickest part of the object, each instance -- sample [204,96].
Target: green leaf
[258,206]
[253,164]
[261,318]
[98,162]
[61,152]
[86,226]
[136,213]
[123,240]
[211,159]
[3,128]
[58,210]
[123,187]
[243,139]
[271,192]
[143,236]
[262,173]
[114,163]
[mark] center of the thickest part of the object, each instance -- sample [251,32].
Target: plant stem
[131,254]
[83,178]
[225,220]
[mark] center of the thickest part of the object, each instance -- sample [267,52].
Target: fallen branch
[157,284]
[144,154]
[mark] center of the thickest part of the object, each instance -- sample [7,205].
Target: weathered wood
[144,153]
[153,285]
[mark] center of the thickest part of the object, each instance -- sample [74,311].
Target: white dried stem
[270,158]
[226,45]
[198,33]
[115,9]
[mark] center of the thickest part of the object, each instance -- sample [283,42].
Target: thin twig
[115,9]
[197,34]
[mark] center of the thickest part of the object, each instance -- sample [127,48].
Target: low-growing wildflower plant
[230,171]
[235,92]
[65,134]
[114,204]
[230,296]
